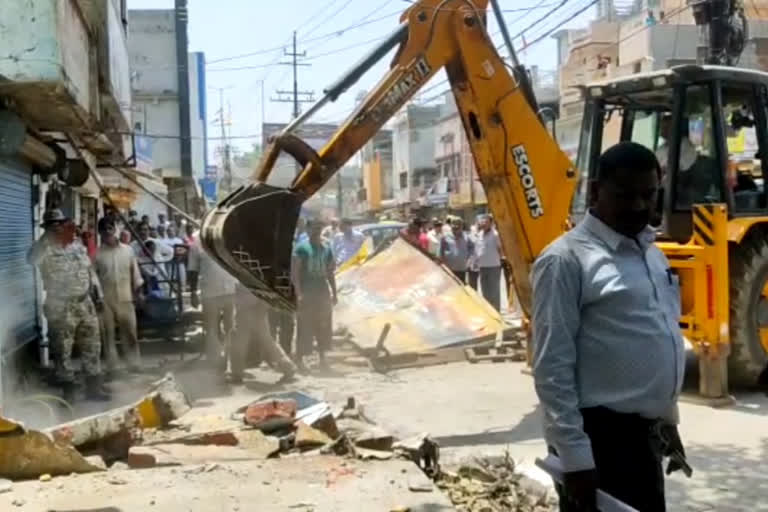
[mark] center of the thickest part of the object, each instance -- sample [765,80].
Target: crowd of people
[282,339]
[474,255]
[95,287]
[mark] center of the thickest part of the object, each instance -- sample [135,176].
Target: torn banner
[425,304]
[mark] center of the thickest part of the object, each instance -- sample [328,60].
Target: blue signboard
[208,188]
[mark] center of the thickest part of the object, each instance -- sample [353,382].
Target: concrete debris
[308,437]
[365,435]
[327,424]
[29,454]
[45,477]
[115,428]
[164,403]
[354,411]
[366,454]
[219,438]
[490,485]
[98,461]
[182,454]
[18,502]
[119,466]
[138,458]
[5,485]
[476,472]
[270,415]
[257,444]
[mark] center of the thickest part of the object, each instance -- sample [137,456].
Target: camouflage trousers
[73,322]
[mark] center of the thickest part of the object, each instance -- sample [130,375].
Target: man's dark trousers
[628,458]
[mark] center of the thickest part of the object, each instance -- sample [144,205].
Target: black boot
[94,389]
[68,391]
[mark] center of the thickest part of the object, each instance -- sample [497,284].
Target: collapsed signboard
[425,305]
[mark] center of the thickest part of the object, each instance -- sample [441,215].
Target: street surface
[483,409]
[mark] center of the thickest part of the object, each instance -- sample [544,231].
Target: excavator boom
[528,181]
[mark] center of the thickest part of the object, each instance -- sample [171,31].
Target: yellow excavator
[714,213]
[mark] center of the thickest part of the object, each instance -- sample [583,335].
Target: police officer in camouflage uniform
[69,282]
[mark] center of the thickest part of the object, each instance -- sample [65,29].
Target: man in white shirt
[688,153]
[176,264]
[347,242]
[148,249]
[330,231]
[435,238]
[218,298]
[121,282]
[488,248]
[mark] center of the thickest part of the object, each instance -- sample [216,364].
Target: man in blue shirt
[608,356]
[315,285]
[346,242]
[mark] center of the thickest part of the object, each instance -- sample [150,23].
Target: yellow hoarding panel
[425,305]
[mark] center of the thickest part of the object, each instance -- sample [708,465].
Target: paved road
[491,408]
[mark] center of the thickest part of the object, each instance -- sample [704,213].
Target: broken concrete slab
[328,425]
[220,438]
[164,402]
[98,461]
[365,435]
[33,453]
[181,454]
[308,437]
[257,443]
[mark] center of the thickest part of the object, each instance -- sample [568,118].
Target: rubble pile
[492,485]
[150,433]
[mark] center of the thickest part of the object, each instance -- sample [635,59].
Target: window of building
[403,180]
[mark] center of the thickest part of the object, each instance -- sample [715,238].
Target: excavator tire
[748,359]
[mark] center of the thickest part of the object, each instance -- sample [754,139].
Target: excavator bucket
[250,234]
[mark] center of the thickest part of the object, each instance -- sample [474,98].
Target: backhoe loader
[714,219]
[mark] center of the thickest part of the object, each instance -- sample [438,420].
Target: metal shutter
[18,309]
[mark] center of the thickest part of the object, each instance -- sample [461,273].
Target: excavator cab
[707,126]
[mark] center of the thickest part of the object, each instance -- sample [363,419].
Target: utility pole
[295,96]
[226,181]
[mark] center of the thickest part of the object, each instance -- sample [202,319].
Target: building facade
[377,191]
[169,103]
[413,152]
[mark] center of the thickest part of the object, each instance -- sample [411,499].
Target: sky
[225,30]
